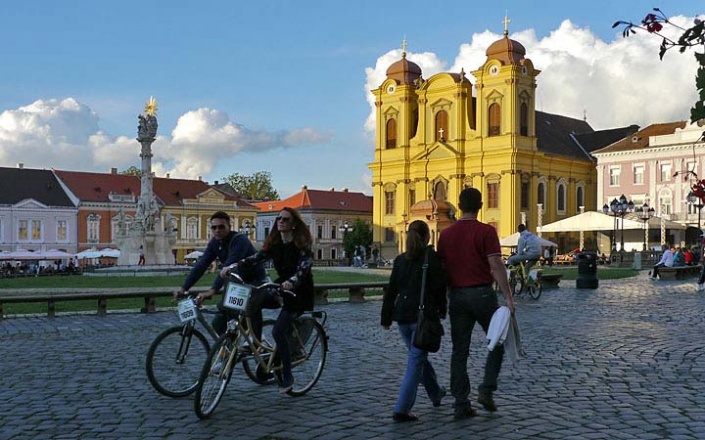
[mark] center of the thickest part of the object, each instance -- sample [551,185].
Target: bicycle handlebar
[267,286]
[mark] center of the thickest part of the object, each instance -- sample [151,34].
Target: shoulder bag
[429,330]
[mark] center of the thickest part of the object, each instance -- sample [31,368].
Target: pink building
[655,166]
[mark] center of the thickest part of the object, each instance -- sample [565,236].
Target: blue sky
[284,86]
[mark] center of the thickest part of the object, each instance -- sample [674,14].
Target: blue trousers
[418,371]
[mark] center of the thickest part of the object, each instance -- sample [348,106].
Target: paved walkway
[625,361]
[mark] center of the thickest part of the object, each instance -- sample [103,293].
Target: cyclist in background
[528,248]
[228,247]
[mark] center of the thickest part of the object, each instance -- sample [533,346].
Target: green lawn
[15,284]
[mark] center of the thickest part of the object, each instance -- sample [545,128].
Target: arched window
[441,125]
[541,194]
[561,197]
[524,119]
[580,198]
[494,119]
[392,133]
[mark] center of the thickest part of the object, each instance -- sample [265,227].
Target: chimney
[200,178]
[304,187]
[332,190]
[215,183]
[113,170]
[20,165]
[168,175]
[345,190]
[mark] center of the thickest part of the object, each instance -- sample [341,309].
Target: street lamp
[696,202]
[645,213]
[618,208]
[344,229]
[247,227]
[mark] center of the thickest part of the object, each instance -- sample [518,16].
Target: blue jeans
[466,307]
[418,371]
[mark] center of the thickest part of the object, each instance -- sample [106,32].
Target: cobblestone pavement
[625,361]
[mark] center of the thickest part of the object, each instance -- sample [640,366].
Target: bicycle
[176,356]
[519,279]
[308,343]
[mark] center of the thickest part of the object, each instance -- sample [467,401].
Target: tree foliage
[132,171]
[360,235]
[692,37]
[257,187]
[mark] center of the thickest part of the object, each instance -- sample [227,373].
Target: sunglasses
[284,219]
[214,227]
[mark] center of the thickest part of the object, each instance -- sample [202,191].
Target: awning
[598,221]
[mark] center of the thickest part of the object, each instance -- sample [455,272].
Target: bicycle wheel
[215,376]
[535,290]
[249,363]
[175,359]
[308,366]
[516,284]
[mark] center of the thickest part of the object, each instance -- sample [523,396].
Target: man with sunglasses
[227,247]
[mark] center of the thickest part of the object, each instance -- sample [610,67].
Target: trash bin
[587,271]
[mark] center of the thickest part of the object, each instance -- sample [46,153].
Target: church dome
[404,71]
[506,50]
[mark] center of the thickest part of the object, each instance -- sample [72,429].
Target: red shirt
[464,248]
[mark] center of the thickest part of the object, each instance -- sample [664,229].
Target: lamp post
[618,208]
[696,202]
[645,213]
[246,228]
[344,228]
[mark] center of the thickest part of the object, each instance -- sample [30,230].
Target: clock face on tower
[391,89]
[494,70]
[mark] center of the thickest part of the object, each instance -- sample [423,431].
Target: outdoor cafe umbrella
[88,254]
[24,254]
[193,255]
[109,253]
[513,241]
[55,254]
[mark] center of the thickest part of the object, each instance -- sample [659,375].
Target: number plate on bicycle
[236,296]
[187,310]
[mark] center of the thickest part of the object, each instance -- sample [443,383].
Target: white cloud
[616,83]
[65,134]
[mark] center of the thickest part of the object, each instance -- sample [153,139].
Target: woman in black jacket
[401,304]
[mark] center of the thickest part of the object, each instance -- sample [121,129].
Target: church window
[524,195]
[441,125]
[524,119]
[389,234]
[541,196]
[412,197]
[389,202]
[494,119]
[580,197]
[561,198]
[493,195]
[392,133]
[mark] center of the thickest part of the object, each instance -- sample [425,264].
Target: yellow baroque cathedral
[434,138]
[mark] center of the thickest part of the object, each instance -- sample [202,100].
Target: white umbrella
[513,240]
[193,255]
[109,253]
[5,255]
[24,254]
[87,254]
[55,254]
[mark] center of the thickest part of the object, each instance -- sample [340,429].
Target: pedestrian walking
[401,304]
[473,261]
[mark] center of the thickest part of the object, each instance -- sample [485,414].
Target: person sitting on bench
[665,261]
[528,248]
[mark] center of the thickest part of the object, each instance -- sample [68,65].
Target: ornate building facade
[434,138]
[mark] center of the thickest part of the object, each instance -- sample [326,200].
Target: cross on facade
[506,25]
[403,47]
[440,133]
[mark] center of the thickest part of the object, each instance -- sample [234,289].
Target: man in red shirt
[473,261]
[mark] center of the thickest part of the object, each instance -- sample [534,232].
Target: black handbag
[429,329]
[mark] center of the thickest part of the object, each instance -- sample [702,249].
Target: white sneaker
[701,286]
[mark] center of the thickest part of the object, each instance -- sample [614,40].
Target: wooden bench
[679,273]
[550,280]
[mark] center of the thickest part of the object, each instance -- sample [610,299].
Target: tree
[255,187]
[361,235]
[132,171]
[691,37]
